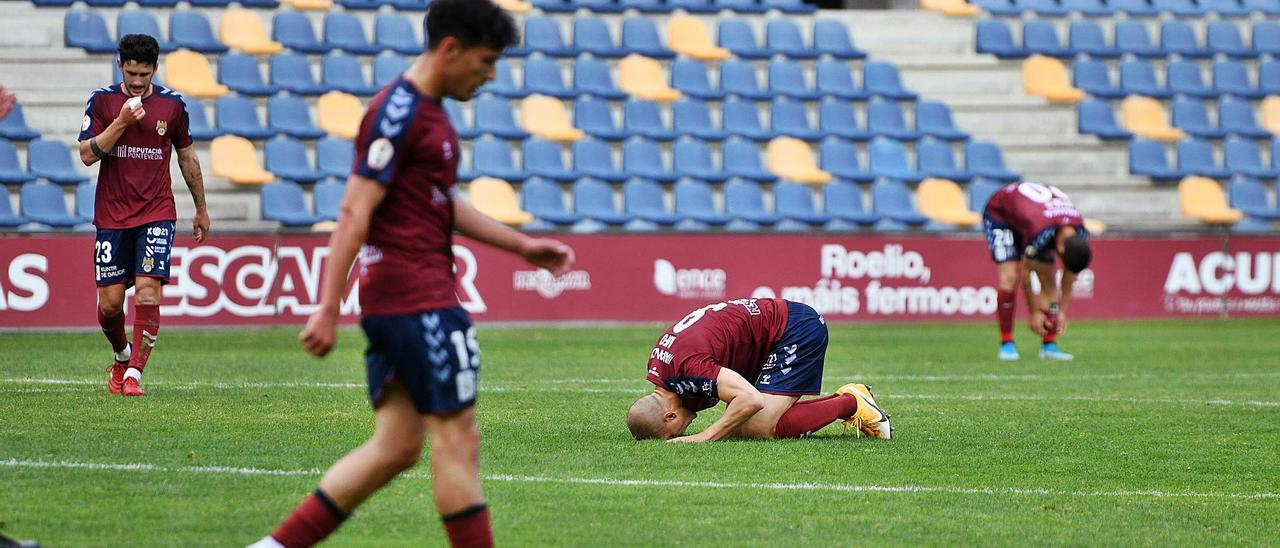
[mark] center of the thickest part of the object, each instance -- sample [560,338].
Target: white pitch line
[611,482]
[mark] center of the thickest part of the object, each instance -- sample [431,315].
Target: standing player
[132,127]
[758,356]
[422,361]
[1026,224]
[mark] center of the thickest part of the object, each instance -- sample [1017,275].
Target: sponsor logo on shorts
[148,264]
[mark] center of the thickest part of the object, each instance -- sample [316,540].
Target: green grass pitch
[1163,432]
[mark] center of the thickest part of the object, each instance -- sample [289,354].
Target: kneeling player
[759,356]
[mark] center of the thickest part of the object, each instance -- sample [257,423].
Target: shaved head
[644,419]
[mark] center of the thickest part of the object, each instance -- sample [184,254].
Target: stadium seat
[786,77]
[1149,158]
[881,78]
[594,158]
[504,83]
[286,157]
[980,192]
[1196,158]
[1178,37]
[831,37]
[1185,78]
[695,6]
[458,119]
[687,35]
[1225,8]
[1146,118]
[314,5]
[693,159]
[544,158]
[836,117]
[209,3]
[1139,77]
[291,116]
[339,114]
[189,73]
[1236,117]
[234,158]
[52,160]
[695,200]
[595,118]
[242,30]
[1243,157]
[791,159]
[388,66]
[545,201]
[395,32]
[742,160]
[87,30]
[742,119]
[1043,8]
[788,117]
[1180,8]
[239,116]
[328,199]
[1040,38]
[1232,78]
[998,7]
[840,159]
[522,6]
[9,219]
[496,199]
[983,159]
[644,199]
[642,78]
[334,157]
[542,76]
[141,22]
[411,5]
[795,201]
[345,32]
[761,6]
[593,199]
[240,73]
[1090,8]
[888,158]
[892,200]
[492,157]
[198,122]
[1271,114]
[995,38]
[1085,36]
[783,36]
[943,201]
[286,203]
[737,36]
[294,30]
[191,30]
[44,203]
[292,73]
[1095,117]
[643,158]
[843,200]
[644,118]
[690,79]
[885,118]
[933,118]
[951,8]
[493,117]
[1269,77]
[156,3]
[1131,37]
[542,35]
[640,36]
[739,78]
[1224,39]
[1267,7]
[14,126]
[591,35]
[935,159]
[1191,116]
[1202,199]
[11,170]
[546,118]
[692,117]
[745,201]
[789,6]
[1266,37]
[834,79]
[1248,195]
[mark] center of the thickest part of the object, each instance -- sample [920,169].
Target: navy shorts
[794,365]
[433,355]
[121,254]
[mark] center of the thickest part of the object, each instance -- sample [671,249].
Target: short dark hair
[470,22]
[1076,253]
[140,48]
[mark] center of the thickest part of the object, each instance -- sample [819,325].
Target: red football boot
[116,380]
[131,388]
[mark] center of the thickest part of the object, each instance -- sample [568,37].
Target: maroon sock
[469,528]
[310,522]
[1050,337]
[807,416]
[146,326]
[113,328]
[1004,311]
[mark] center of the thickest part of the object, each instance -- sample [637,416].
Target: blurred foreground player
[759,356]
[423,360]
[1026,224]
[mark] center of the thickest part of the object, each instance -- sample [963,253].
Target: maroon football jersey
[134,187]
[406,143]
[1030,208]
[737,334]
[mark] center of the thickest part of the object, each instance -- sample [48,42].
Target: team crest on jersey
[148,264]
[84,125]
[161,127]
[380,152]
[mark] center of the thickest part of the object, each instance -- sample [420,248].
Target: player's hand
[321,333]
[1062,323]
[129,116]
[552,255]
[1037,322]
[688,439]
[200,226]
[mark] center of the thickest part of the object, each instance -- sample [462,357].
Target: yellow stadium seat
[942,200]
[1202,199]
[242,29]
[1271,114]
[546,117]
[642,77]
[515,6]
[953,8]
[791,159]
[309,4]
[496,198]
[235,158]
[687,35]
[1047,77]
[339,114]
[1145,117]
[189,73]
[1094,226]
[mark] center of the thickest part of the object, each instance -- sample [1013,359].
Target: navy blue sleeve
[381,142]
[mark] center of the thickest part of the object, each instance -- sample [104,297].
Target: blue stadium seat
[395,32]
[1040,37]
[692,158]
[1196,157]
[591,35]
[52,160]
[1185,78]
[788,117]
[647,6]
[1191,116]
[411,5]
[832,38]
[739,78]
[892,200]
[745,201]
[543,158]
[885,118]
[1043,8]
[1224,38]
[1225,8]
[542,75]
[737,36]
[694,6]
[240,73]
[696,200]
[191,30]
[593,158]
[643,158]
[1243,157]
[334,157]
[795,201]
[9,219]
[783,36]
[1085,36]
[840,159]
[1268,7]
[1266,37]
[327,196]
[690,77]
[995,38]
[345,32]
[458,119]
[361,4]
[787,78]
[934,118]
[292,72]
[85,29]
[210,3]
[742,119]
[980,192]
[1089,8]
[556,6]
[984,160]
[881,78]
[834,79]
[1252,198]
[294,30]
[542,35]
[1269,77]
[692,117]
[1236,116]
[595,117]
[345,73]
[640,35]
[593,199]
[1178,37]
[286,203]
[1179,8]
[643,198]
[843,200]
[742,159]
[1132,37]
[387,67]
[141,22]
[290,115]
[1232,78]
[14,126]
[741,6]
[789,6]
[888,158]
[492,158]
[642,117]
[601,6]
[545,200]
[11,170]
[1150,158]
[49,3]
[239,116]
[494,117]
[935,159]
[1139,77]
[1096,117]
[504,83]
[286,157]
[198,121]
[836,117]
[44,203]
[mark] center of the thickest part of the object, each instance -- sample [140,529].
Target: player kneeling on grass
[709,356]
[1026,224]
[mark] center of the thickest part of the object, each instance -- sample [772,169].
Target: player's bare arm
[362,197]
[1064,290]
[99,146]
[743,400]
[543,252]
[189,163]
[1035,310]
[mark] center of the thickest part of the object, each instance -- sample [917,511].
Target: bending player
[759,356]
[1026,224]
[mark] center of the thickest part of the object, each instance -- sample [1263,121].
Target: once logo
[688,282]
